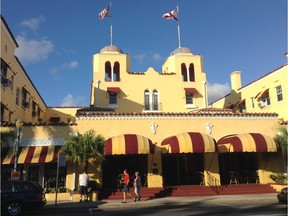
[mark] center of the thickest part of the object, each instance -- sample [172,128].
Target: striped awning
[190,142]
[249,142]
[30,155]
[128,144]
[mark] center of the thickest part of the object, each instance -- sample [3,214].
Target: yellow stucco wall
[278,77]
[133,85]
[19,78]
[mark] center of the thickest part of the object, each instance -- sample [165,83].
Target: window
[252,102]
[34,113]
[108,71]
[279,93]
[188,74]
[12,82]
[116,72]
[4,67]
[112,98]
[147,100]
[242,106]
[265,97]
[155,100]
[5,82]
[184,72]
[151,100]
[191,73]
[17,96]
[25,103]
[189,99]
[33,173]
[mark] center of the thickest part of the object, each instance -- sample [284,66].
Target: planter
[60,196]
[75,197]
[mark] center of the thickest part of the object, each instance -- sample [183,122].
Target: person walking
[83,182]
[137,186]
[126,189]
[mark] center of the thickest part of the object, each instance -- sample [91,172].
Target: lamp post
[19,125]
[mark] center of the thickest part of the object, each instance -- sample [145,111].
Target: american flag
[171,15]
[104,13]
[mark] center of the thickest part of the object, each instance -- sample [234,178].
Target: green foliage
[281,140]
[84,149]
[60,190]
[279,178]
[5,136]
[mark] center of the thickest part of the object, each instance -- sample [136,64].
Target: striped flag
[104,13]
[171,15]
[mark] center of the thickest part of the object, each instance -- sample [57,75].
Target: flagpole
[110,25]
[111,32]
[179,40]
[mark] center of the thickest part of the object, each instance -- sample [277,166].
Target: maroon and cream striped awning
[249,142]
[128,144]
[190,142]
[30,155]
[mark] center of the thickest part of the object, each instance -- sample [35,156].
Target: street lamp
[19,126]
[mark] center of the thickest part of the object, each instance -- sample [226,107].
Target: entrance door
[114,165]
[182,169]
[243,164]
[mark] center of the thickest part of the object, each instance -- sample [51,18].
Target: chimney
[235,80]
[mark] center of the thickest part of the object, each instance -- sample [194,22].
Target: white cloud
[33,23]
[64,66]
[144,57]
[30,50]
[73,64]
[69,100]
[157,57]
[217,91]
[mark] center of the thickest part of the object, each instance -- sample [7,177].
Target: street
[248,207]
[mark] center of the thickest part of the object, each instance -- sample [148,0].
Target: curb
[163,201]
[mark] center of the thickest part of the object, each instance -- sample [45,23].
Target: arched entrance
[182,169]
[127,151]
[114,165]
[239,157]
[184,157]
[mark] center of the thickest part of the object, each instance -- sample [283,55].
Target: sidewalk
[163,201]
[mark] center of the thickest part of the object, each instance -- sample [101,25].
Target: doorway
[182,169]
[114,165]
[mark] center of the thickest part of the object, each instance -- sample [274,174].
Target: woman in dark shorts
[126,189]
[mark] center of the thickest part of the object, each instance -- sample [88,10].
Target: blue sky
[57,39]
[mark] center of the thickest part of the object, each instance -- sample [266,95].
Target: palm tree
[84,149]
[282,139]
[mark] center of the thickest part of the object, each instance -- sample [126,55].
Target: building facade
[264,95]
[157,123]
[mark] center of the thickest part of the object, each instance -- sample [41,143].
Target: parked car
[18,196]
[282,195]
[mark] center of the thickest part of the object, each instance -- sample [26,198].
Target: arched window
[191,73]
[184,72]
[108,71]
[147,99]
[116,72]
[155,100]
